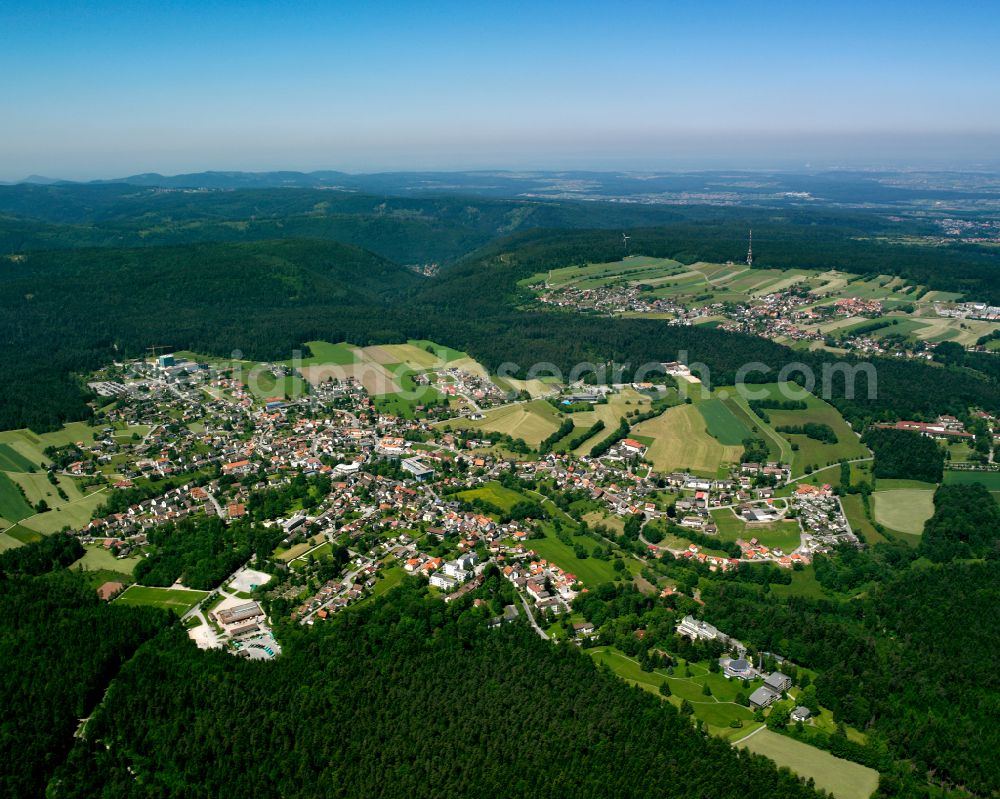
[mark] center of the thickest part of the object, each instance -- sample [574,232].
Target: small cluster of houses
[824,525]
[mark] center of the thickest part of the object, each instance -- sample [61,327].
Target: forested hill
[404,698]
[445,228]
[407,230]
[66,308]
[64,313]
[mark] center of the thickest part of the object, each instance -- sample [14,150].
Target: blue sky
[104,89]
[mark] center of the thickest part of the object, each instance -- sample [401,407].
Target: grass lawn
[681,441]
[391,577]
[596,517]
[97,557]
[854,509]
[298,549]
[784,535]
[842,778]
[717,710]
[179,600]
[495,494]
[989,479]
[804,584]
[591,571]
[13,505]
[904,509]
[722,423]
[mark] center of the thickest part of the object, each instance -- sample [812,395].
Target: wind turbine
[625,238]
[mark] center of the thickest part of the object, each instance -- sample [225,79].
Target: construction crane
[158,347]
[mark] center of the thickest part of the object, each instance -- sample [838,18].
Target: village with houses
[353,499]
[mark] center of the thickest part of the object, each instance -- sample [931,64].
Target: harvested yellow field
[681,441]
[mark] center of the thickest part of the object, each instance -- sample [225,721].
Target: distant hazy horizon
[114,88]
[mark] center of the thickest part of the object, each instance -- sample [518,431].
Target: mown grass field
[784,535]
[904,509]
[178,600]
[495,494]
[854,509]
[717,710]
[591,571]
[680,440]
[97,558]
[842,778]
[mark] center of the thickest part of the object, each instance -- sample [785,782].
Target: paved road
[831,466]
[348,580]
[541,633]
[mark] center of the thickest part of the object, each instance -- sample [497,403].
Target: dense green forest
[66,312]
[405,697]
[62,647]
[905,455]
[203,550]
[905,662]
[171,720]
[965,524]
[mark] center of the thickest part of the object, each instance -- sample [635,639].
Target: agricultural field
[178,600]
[904,509]
[842,778]
[681,441]
[811,452]
[13,461]
[532,421]
[442,353]
[75,513]
[493,493]
[325,352]
[783,535]
[722,424]
[635,268]
[627,401]
[778,447]
[13,506]
[989,479]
